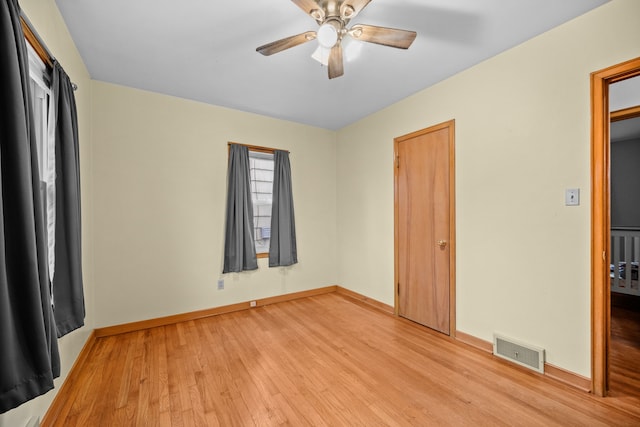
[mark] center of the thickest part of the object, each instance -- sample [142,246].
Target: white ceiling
[625,94]
[205,50]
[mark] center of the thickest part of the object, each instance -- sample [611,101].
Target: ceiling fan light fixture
[327,36]
[321,55]
[351,49]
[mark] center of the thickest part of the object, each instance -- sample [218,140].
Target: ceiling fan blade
[392,37]
[350,8]
[311,8]
[336,68]
[286,43]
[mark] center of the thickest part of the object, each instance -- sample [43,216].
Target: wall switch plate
[220,284]
[572,197]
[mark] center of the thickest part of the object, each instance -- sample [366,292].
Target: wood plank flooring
[624,358]
[323,360]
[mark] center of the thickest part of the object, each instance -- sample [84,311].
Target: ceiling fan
[333,16]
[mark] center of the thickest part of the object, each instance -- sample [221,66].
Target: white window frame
[44,118]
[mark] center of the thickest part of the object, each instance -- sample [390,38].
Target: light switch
[572,197]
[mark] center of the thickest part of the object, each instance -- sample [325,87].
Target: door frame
[601,219]
[450,125]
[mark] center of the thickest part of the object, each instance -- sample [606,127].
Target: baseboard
[200,314]
[64,396]
[474,342]
[372,302]
[567,377]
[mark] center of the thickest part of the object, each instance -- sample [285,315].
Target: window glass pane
[37,99]
[261,170]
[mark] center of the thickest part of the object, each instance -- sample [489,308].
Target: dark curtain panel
[239,245]
[29,357]
[68,295]
[283,250]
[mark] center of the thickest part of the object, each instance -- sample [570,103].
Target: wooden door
[424,225]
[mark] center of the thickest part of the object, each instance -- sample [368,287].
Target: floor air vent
[523,354]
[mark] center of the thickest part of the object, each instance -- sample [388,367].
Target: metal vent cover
[526,355]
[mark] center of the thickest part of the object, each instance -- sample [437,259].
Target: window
[260,219]
[45,141]
[261,172]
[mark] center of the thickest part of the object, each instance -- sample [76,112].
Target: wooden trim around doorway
[625,114]
[601,218]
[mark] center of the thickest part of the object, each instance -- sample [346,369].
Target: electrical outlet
[220,284]
[252,304]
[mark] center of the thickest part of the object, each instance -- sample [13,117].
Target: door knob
[442,243]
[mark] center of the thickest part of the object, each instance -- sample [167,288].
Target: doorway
[425,227]
[601,219]
[624,350]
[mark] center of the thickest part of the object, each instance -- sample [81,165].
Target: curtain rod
[36,42]
[257,147]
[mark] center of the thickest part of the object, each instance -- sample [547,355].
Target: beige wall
[160,167]
[522,138]
[45,17]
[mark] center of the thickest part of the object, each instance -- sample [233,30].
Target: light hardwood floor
[625,351]
[322,360]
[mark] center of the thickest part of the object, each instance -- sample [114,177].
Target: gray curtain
[283,250]
[68,295]
[239,246]
[29,359]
